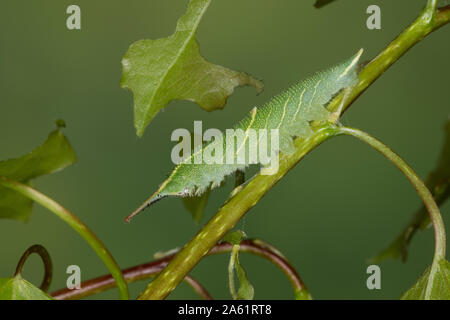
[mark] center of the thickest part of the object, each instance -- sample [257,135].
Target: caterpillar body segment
[290,113]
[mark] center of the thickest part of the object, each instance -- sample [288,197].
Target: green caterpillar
[290,112]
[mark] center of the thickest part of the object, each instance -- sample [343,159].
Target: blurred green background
[337,208]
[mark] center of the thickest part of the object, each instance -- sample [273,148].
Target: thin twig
[422,191]
[75,223]
[148,270]
[48,266]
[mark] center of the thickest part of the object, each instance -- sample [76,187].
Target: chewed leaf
[438,182]
[434,286]
[17,288]
[53,155]
[162,70]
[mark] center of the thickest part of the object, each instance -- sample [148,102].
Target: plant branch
[438,182]
[241,202]
[266,251]
[234,255]
[48,266]
[226,217]
[75,224]
[428,21]
[133,274]
[422,190]
[148,270]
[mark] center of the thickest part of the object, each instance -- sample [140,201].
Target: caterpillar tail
[147,203]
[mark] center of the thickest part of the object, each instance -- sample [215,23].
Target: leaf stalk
[75,223]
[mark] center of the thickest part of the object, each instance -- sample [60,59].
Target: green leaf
[438,182]
[17,288]
[196,205]
[159,71]
[321,3]
[53,155]
[246,290]
[395,250]
[234,237]
[430,286]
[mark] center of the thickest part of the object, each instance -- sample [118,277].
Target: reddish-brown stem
[48,266]
[147,270]
[132,274]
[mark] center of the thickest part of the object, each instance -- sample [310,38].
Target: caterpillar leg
[287,144]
